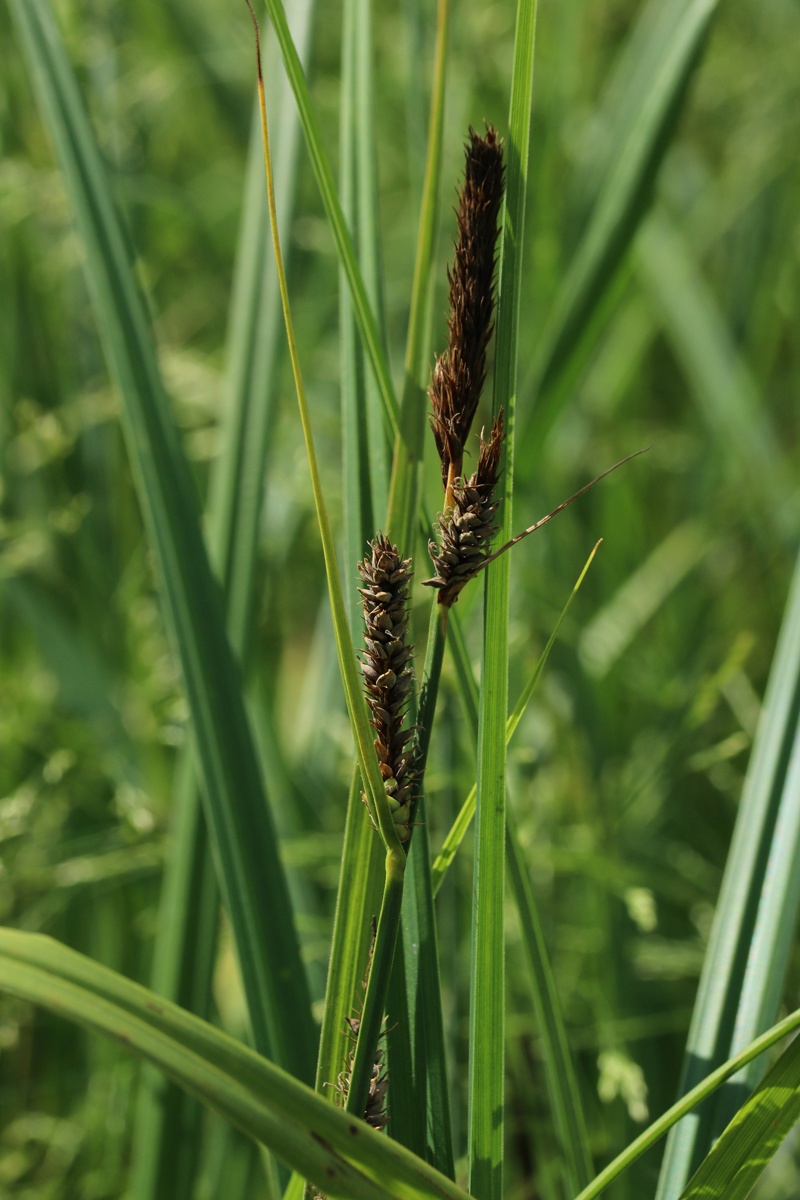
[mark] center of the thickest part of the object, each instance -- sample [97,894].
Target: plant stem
[377,984]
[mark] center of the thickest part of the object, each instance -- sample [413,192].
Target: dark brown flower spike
[467,527]
[388,676]
[458,559]
[458,375]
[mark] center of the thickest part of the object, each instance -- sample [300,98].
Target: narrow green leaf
[342,239]
[734,1165]
[690,1101]
[745,963]
[562,1086]
[420,1109]
[252,879]
[657,102]
[725,390]
[636,601]
[341,1154]
[404,497]
[456,833]
[164,1154]
[360,883]
[487,991]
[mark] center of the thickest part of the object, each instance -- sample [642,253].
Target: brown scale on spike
[458,375]
[388,676]
[466,530]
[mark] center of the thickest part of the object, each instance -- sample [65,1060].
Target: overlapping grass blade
[404,496]
[562,1086]
[457,831]
[420,1105]
[249,868]
[656,99]
[342,1155]
[690,1101]
[737,1160]
[487,976]
[164,1156]
[364,315]
[561,1081]
[744,965]
[724,388]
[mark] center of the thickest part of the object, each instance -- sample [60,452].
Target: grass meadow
[180,703]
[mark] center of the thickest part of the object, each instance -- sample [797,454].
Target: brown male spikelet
[388,676]
[466,530]
[458,375]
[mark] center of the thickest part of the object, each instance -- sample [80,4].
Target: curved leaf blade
[342,1155]
[248,864]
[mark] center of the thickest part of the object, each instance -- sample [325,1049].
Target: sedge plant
[378,1116]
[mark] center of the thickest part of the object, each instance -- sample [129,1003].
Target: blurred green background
[628,767]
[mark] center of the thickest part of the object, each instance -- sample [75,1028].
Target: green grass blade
[723,386]
[409,445]
[562,1085]
[415,1041]
[341,1154]
[758,896]
[487,979]
[690,1101]
[360,882]
[620,204]
[364,455]
[620,621]
[420,1108]
[356,904]
[737,1160]
[344,244]
[369,244]
[251,875]
[457,831]
[354,697]
[164,1154]
[167,1128]
[561,1082]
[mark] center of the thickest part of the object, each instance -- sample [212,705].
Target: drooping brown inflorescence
[388,677]
[466,530]
[458,375]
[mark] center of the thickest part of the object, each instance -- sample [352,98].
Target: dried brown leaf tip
[388,676]
[458,375]
[467,528]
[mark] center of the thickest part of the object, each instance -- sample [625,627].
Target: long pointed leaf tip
[388,676]
[458,375]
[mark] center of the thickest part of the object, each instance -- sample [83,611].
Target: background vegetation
[628,768]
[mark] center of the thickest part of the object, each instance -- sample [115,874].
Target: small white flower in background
[641,905]
[620,1076]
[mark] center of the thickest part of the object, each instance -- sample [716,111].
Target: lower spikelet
[388,677]
[466,530]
